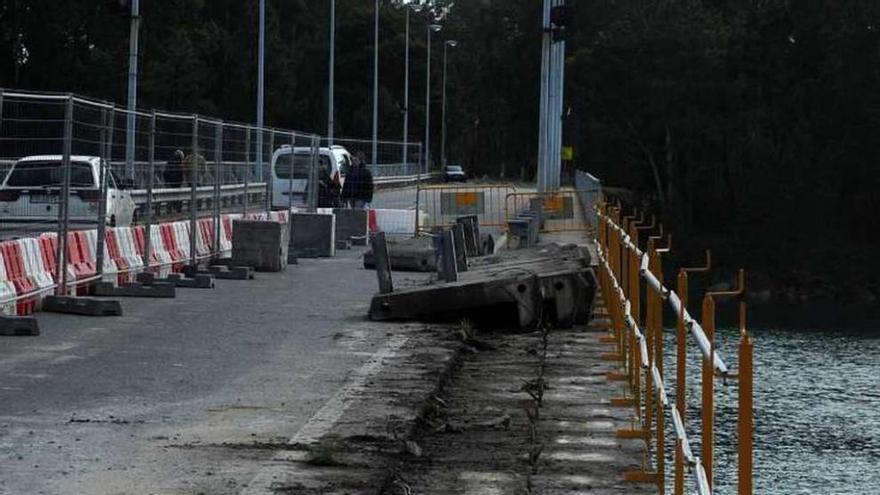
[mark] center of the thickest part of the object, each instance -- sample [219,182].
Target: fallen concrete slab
[553,284]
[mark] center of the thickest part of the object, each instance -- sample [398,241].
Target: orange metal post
[746,411]
[658,359]
[649,337]
[680,377]
[709,387]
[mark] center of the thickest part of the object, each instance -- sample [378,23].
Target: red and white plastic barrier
[29,267]
[7,291]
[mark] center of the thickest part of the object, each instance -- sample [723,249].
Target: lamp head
[434,27]
[452,43]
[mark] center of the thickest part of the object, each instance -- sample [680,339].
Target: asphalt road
[154,401]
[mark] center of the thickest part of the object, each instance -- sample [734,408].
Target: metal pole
[260,87]
[543,107]
[64,200]
[132,87]
[405,94]
[247,168]
[443,122]
[331,89]
[106,156]
[708,384]
[428,107]
[314,178]
[376,85]
[193,180]
[290,172]
[218,173]
[745,425]
[268,176]
[148,246]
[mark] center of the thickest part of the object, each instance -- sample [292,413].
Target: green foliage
[749,122]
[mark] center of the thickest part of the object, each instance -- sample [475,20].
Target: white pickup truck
[30,192]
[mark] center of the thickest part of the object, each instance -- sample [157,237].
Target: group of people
[355,192]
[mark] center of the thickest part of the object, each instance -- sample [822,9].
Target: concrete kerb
[19,326]
[355,439]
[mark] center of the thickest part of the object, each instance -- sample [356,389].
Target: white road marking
[321,422]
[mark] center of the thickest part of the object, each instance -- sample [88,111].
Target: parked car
[31,191]
[290,175]
[454,173]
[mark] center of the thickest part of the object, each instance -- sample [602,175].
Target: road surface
[155,401]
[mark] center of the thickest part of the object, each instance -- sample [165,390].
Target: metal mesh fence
[393,158]
[83,189]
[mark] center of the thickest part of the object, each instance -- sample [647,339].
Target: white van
[333,162]
[31,191]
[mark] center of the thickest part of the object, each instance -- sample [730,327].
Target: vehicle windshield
[49,174]
[454,168]
[300,164]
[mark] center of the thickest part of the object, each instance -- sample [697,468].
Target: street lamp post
[448,44]
[331,90]
[432,28]
[406,95]
[131,121]
[376,85]
[260,89]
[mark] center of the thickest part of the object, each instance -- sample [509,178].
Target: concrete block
[408,255]
[471,224]
[459,238]
[231,273]
[313,235]
[343,244]
[261,245]
[198,281]
[358,240]
[86,306]
[106,289]
[351,222]
[383,264]
[19,326]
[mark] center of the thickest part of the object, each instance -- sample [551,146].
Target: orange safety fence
[630,267]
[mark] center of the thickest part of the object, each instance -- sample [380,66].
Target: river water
[817,411]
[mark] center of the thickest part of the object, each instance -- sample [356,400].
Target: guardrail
[626,271]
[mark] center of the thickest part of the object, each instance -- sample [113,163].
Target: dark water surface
[817,411]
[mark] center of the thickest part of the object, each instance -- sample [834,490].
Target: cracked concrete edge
[287,469]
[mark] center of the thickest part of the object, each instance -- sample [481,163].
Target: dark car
[454,173]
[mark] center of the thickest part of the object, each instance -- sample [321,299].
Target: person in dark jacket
[173,173]
[357,192]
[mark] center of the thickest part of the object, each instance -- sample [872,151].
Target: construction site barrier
[626,272]
[443,204]
[561,211]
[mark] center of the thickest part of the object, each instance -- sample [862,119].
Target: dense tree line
[749,124]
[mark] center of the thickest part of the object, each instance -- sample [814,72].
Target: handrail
[623,266]
[671,297]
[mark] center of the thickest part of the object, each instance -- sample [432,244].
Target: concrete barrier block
[106,289]
[351,222]
[85,306]
[261,245]
[313,235]
[199,281]
[19,326]
[231,273]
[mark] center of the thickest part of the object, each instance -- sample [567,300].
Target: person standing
[357,191]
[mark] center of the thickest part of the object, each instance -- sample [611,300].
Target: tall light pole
[131,121]
[432,28]
[376,85]
[406,94]
[331,90]
[448,44]
[260,88]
